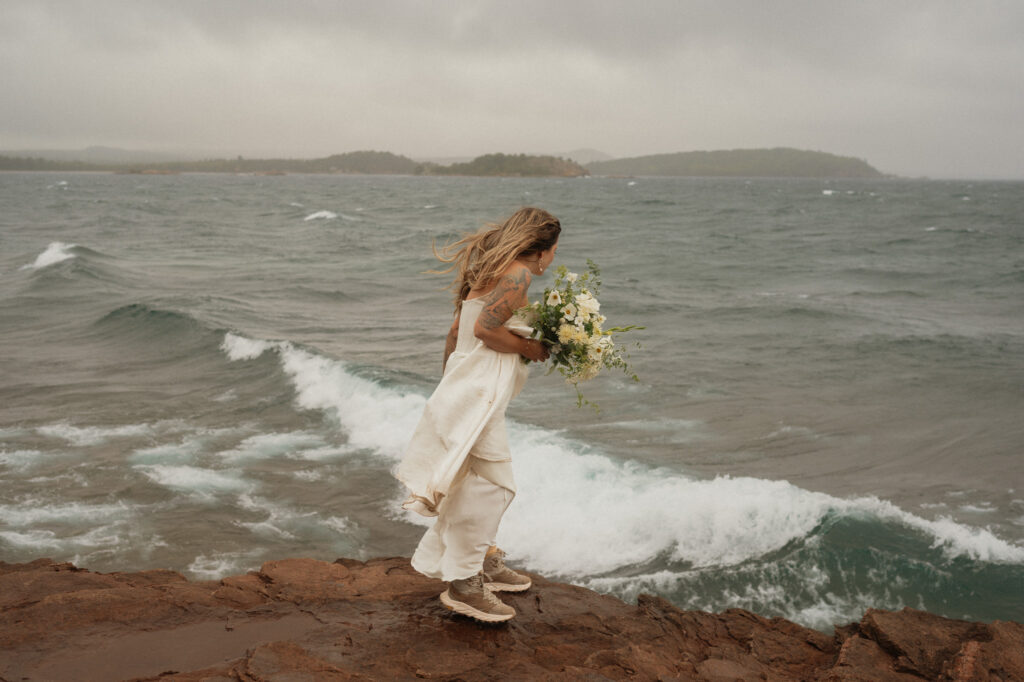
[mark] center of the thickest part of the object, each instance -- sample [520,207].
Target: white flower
[571,277]
[554,298]
[569,312]
[587,303]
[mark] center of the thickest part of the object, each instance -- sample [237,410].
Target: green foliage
[365,162]
[518,165]
[359,162]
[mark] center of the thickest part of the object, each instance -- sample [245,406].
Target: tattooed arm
[507,297]
[449,344]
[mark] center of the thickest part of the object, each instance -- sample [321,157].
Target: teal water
[204,372]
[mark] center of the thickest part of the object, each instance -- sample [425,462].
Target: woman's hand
[534,349]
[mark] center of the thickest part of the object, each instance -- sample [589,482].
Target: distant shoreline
[749,163]
[884,178]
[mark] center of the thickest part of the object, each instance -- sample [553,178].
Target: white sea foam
[216,566]
[34,511]
[984,508]
[39,539]
[270,445]
[54,253]
[322,454]
[581,513]
[954,539]
[321,215]
[284,522]
[240,348]
[764,588]
[93,435]
[373,417]
[574,506]
[170,453]
[75,476]
[195,480]
[338,523]
[35,539]
[20,460]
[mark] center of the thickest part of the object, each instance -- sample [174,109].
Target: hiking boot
[470,598]
[501,578]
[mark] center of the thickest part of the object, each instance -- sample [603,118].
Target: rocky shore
[302,619]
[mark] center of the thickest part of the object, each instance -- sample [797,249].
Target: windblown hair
[479,258]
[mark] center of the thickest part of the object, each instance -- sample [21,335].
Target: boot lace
[475,584]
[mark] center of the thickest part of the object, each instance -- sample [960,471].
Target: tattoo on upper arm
[508,296]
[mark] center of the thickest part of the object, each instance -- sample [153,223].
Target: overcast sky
[915,88]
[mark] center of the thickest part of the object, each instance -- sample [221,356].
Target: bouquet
[569,322]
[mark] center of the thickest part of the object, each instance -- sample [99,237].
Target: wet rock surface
[302,619]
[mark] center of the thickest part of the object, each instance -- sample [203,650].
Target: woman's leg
[455,546]
[458,543]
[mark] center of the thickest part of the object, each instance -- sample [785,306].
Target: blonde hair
[481,257]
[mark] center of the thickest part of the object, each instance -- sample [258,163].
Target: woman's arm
[449,343]
[508,296]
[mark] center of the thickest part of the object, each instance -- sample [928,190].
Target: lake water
[205,372]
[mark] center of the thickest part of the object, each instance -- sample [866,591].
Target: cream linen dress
[463,424]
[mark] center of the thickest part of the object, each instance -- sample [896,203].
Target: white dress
[464,416]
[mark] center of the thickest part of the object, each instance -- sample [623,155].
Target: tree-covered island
[359,162]
[781,162]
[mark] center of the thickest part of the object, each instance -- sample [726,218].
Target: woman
[458,466]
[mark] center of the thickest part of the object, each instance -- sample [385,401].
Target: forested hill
[778,162]
[369,162]
[360,162]
[523,165]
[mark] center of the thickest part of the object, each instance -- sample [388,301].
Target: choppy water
[203,372]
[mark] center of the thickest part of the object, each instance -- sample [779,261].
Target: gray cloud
[915,89]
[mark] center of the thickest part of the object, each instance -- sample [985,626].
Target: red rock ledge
[302,619]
